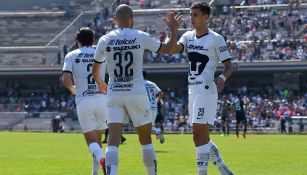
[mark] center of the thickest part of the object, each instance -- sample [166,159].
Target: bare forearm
[170,43]
[68,84]
[96,73]
[160,96]
[97,78]
[70,87]
[227,69]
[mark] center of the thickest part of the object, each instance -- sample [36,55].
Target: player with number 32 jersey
[123,49]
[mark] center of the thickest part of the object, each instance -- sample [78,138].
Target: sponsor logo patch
[223,48]
[121,87]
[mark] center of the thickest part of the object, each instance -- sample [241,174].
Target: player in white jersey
[123,50]
[91,105]
[154,95]
[205,49]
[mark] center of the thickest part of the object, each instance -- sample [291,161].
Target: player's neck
[122,27]
[201,31]
[126,26]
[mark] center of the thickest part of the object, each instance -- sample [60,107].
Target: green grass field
[67,154]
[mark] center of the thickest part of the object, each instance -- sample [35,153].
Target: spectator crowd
[262,107]
[252,34]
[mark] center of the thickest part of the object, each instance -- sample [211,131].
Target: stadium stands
[262,110]
[26,31]
[29,30]
[253,34]
[34,124]
[28,56]
[36,35]
[10,119]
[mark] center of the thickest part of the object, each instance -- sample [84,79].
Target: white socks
[97,154]
[112,160]
[149,158]
[202,157]
[95,167]
[217,160]
[96,151]
[215,156]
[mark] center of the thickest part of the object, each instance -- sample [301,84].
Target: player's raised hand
[173,20]
[219,84]
[103,87]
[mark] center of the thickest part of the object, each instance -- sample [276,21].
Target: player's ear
[114,20]
[132,22]
[206,17]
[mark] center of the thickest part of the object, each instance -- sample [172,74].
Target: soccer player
[155,95]
[225,107]
[160,116]
[91,105]
[123,50]
[240,115]
[106,135]
[205,48]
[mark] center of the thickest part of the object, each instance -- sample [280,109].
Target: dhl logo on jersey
[195,47]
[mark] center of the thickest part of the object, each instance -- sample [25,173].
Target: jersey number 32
[124,61]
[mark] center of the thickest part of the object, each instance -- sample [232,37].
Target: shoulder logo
[223,48]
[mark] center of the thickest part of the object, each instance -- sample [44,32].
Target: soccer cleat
[161,137]
[123,139]
[244,136]
[222,135]
[103,165]
[104,141]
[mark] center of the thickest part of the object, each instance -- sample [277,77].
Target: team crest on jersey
[197,63]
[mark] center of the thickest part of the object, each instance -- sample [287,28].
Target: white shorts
[202,108]
[136,107]
[92,113]
[154,113]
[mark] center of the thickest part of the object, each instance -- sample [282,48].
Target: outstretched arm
[170,46]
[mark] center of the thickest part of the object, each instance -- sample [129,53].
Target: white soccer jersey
[123,51]
[152,91]
[204,53]
[80,62]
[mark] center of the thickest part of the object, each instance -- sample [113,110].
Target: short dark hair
[85,36]
[123,12]
[203,6]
